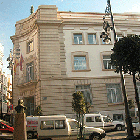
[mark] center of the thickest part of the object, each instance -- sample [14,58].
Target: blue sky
[15,10]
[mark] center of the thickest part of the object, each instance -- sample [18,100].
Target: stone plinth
[20,127]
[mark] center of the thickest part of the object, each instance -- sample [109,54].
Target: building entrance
[29,103]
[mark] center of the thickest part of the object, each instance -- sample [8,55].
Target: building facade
[58,53]
[1,56]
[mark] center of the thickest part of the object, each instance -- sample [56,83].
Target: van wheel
[95,137]
[29,135]
[118,127]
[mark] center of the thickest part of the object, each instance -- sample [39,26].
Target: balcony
[26,81]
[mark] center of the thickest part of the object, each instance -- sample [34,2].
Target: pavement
[4,136]
[117,135]
[113,135]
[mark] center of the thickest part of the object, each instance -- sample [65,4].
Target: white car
[104,122]
[89,132]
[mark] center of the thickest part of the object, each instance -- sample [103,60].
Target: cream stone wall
[55,81]
[95,62]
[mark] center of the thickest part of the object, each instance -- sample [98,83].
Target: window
[117,117]
[114,94]
[30,46]
[46,125]
[119,36]
[89,119]
[78,38]
[106,62]
[139,92]
[30,71]
[98,119]
[31,108]
[106,119]
[85,89]
[102,40]
[130,34]
[73,124]
[138,87]
[92,38]
[80,61]
[60,124]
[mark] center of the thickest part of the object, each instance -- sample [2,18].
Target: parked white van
[61,128]
[104,122]
[31,126]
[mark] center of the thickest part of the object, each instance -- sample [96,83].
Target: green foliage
[131,103]
[79,106]
[126,58]
[88,107]
[126,54]
[78,103]
[38,111]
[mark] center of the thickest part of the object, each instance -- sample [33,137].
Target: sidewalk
[116,135]
[6,136]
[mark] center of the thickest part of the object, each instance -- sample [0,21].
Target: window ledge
[93,44]
[112,104]
[78,44]
[108,69]
[106,44]
[81,70]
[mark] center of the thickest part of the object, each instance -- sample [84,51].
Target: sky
[12,11]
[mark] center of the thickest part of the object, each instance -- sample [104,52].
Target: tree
[128,55]
[38,111]
[79,106]
[119,59]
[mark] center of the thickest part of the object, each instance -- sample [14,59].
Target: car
[5,127]
[52,127]
[90,132]
[100,121]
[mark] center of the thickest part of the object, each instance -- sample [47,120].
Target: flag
[21,62]
[15,65]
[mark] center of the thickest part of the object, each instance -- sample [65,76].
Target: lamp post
[2,106]
[106,25]
[105,35]
[10,60]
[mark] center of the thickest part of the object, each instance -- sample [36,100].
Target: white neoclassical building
[1,56]
[57,53]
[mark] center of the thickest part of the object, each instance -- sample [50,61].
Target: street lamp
[10,60]
[106,25]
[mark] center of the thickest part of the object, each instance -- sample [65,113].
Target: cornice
[82,23]
[82,78]
[39,22]
[30,30]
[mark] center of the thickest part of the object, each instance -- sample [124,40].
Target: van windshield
[73,124]
[106,119]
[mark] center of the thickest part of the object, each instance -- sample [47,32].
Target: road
[114,135]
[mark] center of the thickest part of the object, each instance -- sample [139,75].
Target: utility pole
[10,60]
